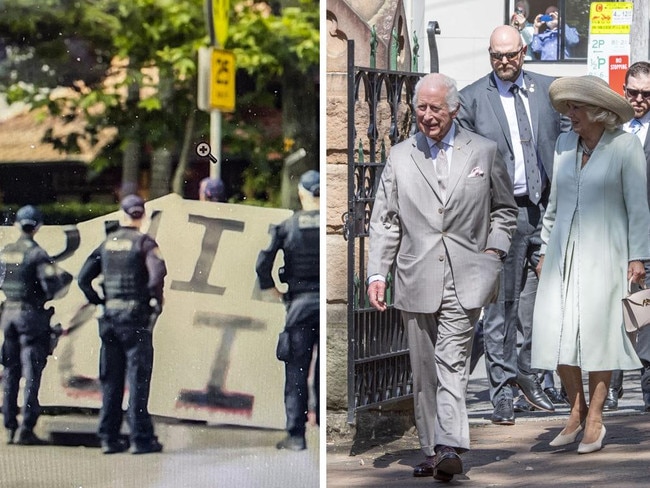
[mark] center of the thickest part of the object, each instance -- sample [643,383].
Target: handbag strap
[629,286]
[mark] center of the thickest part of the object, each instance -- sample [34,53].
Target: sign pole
[215,142]
[217,13]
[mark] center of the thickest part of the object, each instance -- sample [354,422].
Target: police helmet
[29,217]
[215,190]
[133,206]
[310,181]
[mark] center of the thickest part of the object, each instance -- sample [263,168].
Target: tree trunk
[300,106]
[179,177]
[131,152]
[161,170]
[130,167]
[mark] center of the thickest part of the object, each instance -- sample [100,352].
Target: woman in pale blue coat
[595,238]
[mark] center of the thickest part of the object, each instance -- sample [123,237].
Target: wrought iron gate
[379,370]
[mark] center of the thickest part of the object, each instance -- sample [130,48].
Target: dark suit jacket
[646,150]
[481,111]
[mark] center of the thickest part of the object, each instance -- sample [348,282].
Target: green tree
[131,70]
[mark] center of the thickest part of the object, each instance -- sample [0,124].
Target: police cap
[29,216]
[215,190]
[310,181]
[133,206]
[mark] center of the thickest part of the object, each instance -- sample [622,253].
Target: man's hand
[518,21]
[540,263]
[376,294]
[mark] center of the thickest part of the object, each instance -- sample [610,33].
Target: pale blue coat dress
[596,221]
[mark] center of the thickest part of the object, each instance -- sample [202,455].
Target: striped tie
[442,168]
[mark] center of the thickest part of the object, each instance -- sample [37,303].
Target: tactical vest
[123,266]
[301,252]
[21,279]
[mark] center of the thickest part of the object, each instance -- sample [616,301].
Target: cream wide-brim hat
[590,90]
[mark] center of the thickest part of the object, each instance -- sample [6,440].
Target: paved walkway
[196,455]
[513,456]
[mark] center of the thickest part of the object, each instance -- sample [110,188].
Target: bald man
[492,98]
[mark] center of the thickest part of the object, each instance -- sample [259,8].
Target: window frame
[580,58]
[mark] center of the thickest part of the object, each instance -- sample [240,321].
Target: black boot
[614,392]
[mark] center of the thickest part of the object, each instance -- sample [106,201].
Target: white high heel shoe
[597,445]
[564,439]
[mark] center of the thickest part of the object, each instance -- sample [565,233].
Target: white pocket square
[475,172]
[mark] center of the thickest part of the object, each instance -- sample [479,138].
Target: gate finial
[416,48]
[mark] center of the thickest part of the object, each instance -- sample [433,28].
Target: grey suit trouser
[440,345]
[513,310]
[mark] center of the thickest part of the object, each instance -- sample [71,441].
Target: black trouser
[25,349]
[126,354]
[296,392]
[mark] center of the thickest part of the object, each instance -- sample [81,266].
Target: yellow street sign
[220,13]
[222,80]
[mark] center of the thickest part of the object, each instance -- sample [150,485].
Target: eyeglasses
[630,92]
[508,56]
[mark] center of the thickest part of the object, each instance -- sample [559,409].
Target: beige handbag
[636,309]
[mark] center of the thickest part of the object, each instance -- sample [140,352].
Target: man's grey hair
[452,99]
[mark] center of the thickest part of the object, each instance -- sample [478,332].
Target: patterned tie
[533,177]
[635,126]
[442,168]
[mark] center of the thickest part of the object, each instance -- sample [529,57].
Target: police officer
[298,237]
[26,323]
[133,272]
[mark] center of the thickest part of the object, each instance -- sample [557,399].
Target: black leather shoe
[28,438]
[503,413]
[293,443]
[555,396]
[145,448]
[646,401]
[446,464]
[112,447]
[425,468]
[611,402]
[522,405]
[533,392]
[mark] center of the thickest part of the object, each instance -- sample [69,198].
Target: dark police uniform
[25,324]
[298,237]
[133,277]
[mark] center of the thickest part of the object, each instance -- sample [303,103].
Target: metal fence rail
[379,106]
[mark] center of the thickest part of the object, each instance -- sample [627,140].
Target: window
[562,32]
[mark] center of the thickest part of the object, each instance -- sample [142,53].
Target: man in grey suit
[488,107]
[637,92]
[442,222]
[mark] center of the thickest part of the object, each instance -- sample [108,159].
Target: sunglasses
[508,56]
[635,93]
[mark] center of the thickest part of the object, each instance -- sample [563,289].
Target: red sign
[617,68]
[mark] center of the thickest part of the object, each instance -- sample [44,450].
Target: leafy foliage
[130,67]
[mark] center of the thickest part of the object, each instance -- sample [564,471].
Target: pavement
[195,455]
[513,456]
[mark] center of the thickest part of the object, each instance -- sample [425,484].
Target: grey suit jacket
[481,111]
[412,227]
